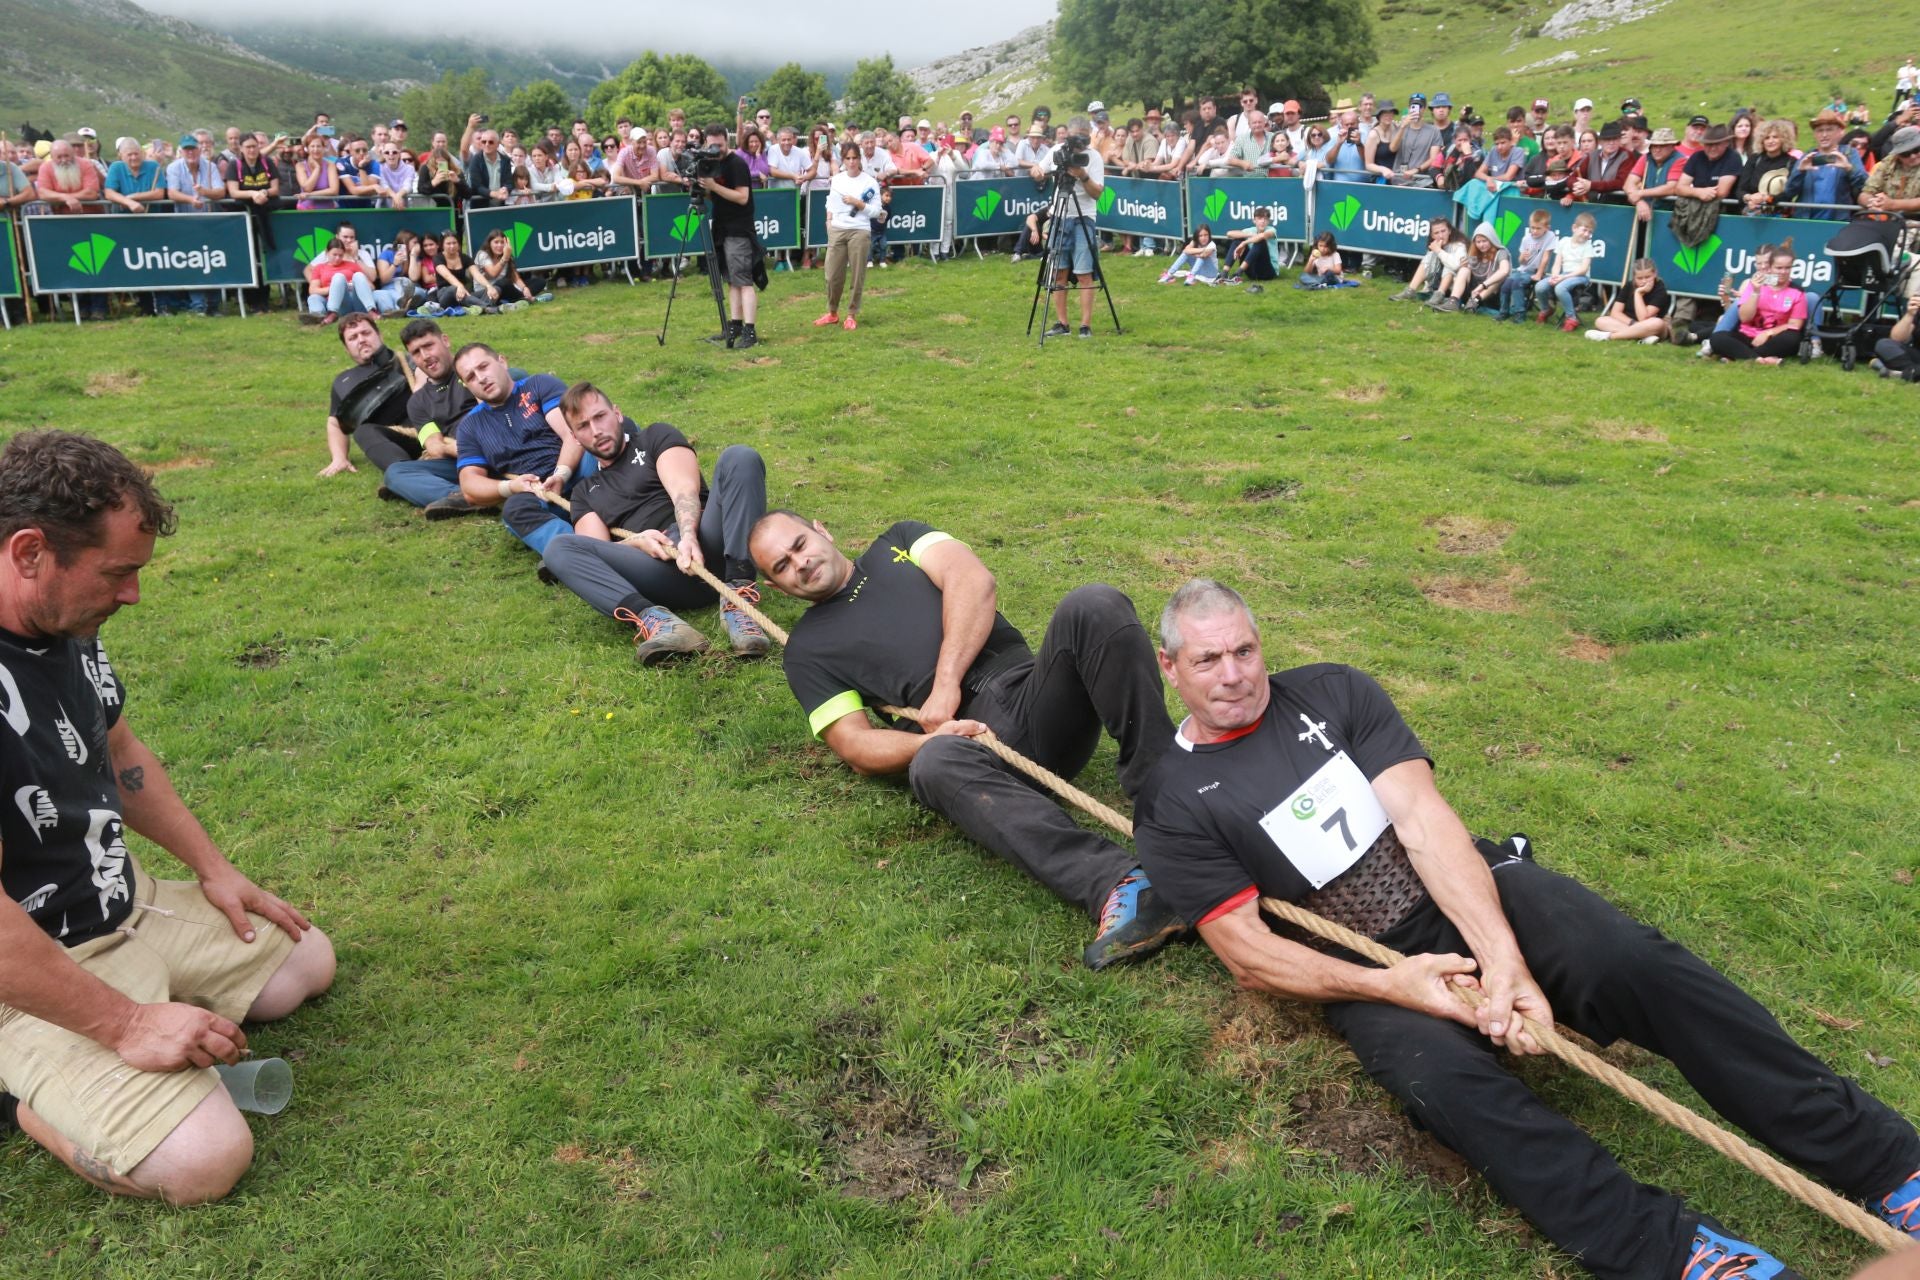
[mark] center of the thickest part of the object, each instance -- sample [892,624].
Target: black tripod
[697,207]
[1066,230]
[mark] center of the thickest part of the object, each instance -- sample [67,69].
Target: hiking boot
[1447,305]
[1057,330]
[454,504]
[1714,1256]
[1901,1206]
[746,636]
[387,495]
[748,338]
[1136,922]
[660,636]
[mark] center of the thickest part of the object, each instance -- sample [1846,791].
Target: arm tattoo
[133,778]
[686,512]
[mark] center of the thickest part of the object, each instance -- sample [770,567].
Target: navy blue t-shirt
[516,438]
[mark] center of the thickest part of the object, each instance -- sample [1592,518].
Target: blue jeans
[1201,268]
[1563,291]
[338,291]
[1513,293]
[424,480]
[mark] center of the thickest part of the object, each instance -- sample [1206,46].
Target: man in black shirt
[736,246]
[1307,786]
[913,623]
[431,478]
[648,485]
[118,992]
[1710,172]
[369,401]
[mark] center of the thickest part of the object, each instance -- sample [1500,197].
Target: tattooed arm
[680,473]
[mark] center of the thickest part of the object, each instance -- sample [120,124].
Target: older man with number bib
[913,623]
[1307,786]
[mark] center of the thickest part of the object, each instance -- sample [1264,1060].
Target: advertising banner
[673,228]
[913,215]
[1140,207]
[1612,231]
[1368,218]
[562,233]
[9,263]
[139,252]
[995,206]
[1227,204]
[301,235]
[1729,250]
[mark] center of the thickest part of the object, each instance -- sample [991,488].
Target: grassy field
[636,980]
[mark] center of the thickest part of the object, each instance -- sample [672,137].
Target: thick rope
[1732,1146]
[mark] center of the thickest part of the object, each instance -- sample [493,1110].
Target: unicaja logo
[1215,204]
[1505,225]
[90,256]
[518,237]
[983,207]
[311,245]
[1697,259]
[1344,213]
[1105,203]
[685,226]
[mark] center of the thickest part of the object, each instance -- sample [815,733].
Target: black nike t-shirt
[627,492]
[65,856]
[375,392]
[1201,836]
[730,219]
[877,642]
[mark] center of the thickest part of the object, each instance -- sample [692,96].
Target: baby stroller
[1867,257]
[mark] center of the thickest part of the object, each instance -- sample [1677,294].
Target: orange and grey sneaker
[1901,1206]
[1716,1256]
[660,636]
[1135,922]
[748,638]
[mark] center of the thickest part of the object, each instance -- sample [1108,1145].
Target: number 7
[1339,816]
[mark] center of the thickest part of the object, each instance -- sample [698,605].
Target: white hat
[1276,108]
[924,124]
[1583,104]
[1095,106]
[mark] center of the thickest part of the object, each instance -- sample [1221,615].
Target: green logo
[312,245]
[1692,261]
[1304,806]
[1344,213]
[90,256]
[1104,205]
[983,207]
[1214,205]
[1505,225]
[685,226]
[519,236]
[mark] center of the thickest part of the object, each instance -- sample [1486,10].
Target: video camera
[703,162]
[1074,152]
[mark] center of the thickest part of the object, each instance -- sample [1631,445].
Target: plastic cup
[260,1085]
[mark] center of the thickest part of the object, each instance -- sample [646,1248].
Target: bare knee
[305,973]
[201,1160]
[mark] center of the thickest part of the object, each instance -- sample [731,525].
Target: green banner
[1227,204]
[914,213]
[672,227]
[1369,218]
[1729,251]
[139,252]
[301,235]
[560,233]
[9,261]
[1139,207]
[995,206]
[1612,230]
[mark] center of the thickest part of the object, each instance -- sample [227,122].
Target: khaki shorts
[105,1107]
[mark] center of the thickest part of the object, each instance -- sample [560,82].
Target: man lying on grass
[1307,786]
[120,992]
[913,623]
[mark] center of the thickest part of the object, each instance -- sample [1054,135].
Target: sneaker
[1405,295]
[849,324]
[1086,331]
[547,576]
[747,338]
[825,320]
[1901,1207]
[332,317]
[1135,922]
[743,633]
[1714,1256]
[387,495]
[1447,306]
[1879,366]
[431,309]
[1597,335]
[1570,325]
[1651,340]
[659,636]
[1545,317]
[883,264]
[1057,330]
[1704,351]
[454,504]
[543,297]
[1166,277]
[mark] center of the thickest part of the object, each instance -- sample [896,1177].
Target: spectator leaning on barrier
[1655,177]
[16,189]
[489,173]
[1251,150]
[251,182]
[1830,174]
[1503,162]
[66,182]
[317,177]
[1709,174]
[193,179]
[134,182]
[787,164]
[1604,177]
[1382,140]
[395,174]
[1769,170]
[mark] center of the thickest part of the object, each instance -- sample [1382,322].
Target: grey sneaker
[660,636]
[454,504]
[1405,295]
[1057,330]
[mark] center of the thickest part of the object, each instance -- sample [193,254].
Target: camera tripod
[697,206]
[1065,231]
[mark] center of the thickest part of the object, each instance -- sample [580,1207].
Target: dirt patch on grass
[1586,649]
[937,353]
[599,339]
[1029,1043]
[1470,535]
[1616,432]
[1269,488]
[259,654]
[954,317]
[188,462]
[622,1170]
[1368,393]
[1250,1038]
[115,382]
[1362,1134]
[1480,595]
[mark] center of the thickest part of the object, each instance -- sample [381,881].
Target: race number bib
[1326,825]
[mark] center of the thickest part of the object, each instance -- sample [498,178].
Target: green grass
[635,980]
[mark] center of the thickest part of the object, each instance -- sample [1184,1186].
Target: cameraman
[736,248]
[1082,179]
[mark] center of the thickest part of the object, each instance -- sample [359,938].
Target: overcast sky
[778,30]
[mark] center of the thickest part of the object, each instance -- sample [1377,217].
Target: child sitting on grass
[1323,265]
[1257,249]
[1198,262]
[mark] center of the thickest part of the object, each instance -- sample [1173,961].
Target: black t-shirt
[627,492]
[375,392]
[877,642]
[730,219]
[1656,297]
[1702,171]
[66,855]
[1201,837]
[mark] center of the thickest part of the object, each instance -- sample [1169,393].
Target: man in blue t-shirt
[513,442]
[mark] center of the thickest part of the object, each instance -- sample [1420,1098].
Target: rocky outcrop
[1006,72]
[1584,17]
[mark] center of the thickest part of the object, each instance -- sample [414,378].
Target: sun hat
[1583,104]
[1906,138]
[1716,135]
[1664,137]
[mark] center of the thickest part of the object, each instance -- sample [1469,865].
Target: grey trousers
[1095,670]
[610,575]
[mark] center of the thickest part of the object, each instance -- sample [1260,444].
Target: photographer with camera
[1081,176]
[737,256]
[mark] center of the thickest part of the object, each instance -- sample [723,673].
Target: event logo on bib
[1304,807]
[90,256]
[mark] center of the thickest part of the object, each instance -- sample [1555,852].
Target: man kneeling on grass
[913,623]
[1307,786]
[648,485]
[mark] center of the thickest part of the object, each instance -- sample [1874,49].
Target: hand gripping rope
[1732,1146]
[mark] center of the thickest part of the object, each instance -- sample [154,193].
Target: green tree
[795,96]
[671,80]
[532,107]
[447,103]
[878,94]
[1165,51]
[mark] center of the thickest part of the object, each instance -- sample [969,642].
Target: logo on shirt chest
[900,556]
[37,805]
[1316,731]
[70,738]
[528,405]
[639,457]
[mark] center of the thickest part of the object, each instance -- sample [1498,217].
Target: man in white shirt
[786,161]
[1076,238]
[1033,154]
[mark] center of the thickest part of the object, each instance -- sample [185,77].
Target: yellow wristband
[428,432]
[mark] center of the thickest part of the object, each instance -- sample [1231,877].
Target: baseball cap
[1291,104]
[43,148]
[1275,108]
[1698,122]
[1630,107]
[1541,104]
[396,124]
[1583,104]
[188,140]
[1442,100]
[86,131]
[1416,99]
[1096,105]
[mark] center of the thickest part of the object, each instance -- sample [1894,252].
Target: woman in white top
[853,199]
[992,159]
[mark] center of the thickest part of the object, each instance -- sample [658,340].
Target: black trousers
[1095,670]
[1610,977]
[1897,356]
[385,446]
[1733,345]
